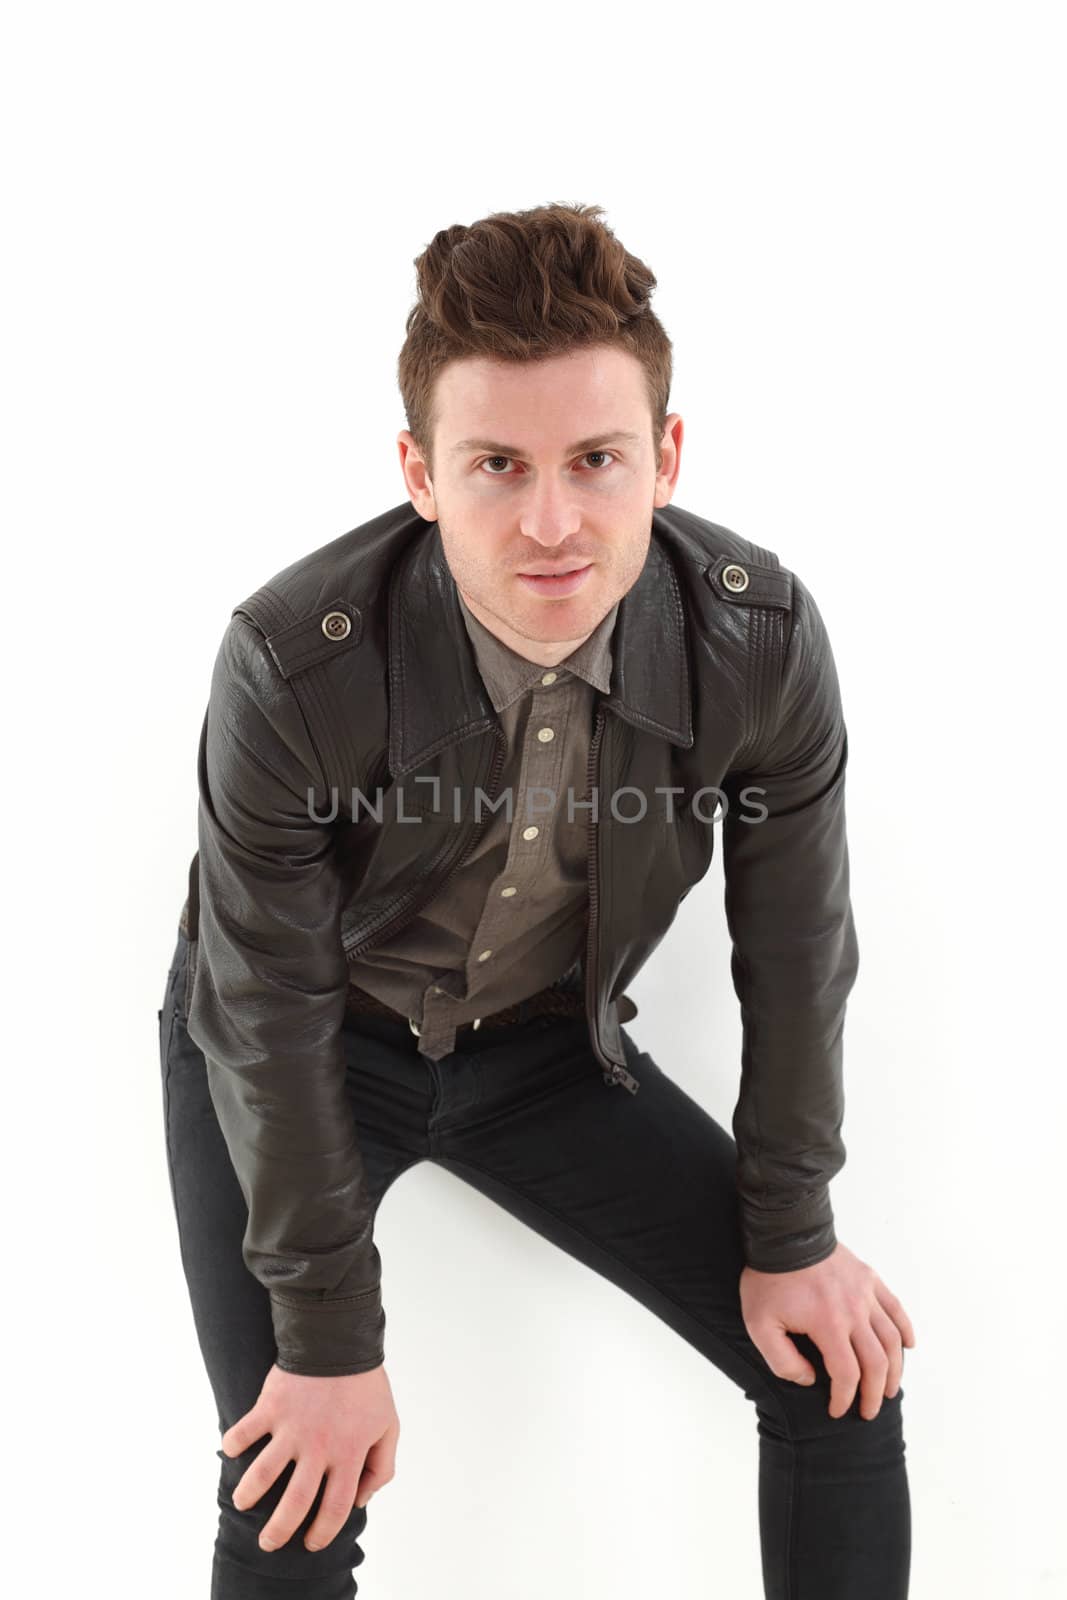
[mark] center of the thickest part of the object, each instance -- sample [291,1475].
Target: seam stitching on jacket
[339,1303]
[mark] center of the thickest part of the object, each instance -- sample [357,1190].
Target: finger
[336,1506]
[889,1303]
[874,1369]
[245,1431]
[380,1466]
[271,1461]
[889,1335]
[843,1367]
[294,1504]
[782,1355]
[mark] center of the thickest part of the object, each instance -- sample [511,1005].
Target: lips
[552,572]
[560,582]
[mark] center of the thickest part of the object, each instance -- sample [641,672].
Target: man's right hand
[345,1427]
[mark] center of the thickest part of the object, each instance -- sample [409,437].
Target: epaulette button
[335,625]
[734,578]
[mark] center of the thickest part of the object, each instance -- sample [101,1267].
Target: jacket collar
[436,693]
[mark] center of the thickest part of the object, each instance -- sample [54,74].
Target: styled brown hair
[523,286]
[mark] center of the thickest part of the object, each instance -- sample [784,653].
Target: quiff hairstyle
[524,286]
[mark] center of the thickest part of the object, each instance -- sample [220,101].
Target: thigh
[640,1187]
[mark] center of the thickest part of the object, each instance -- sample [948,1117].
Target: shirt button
[545,734]
[506,892]
[548,677]
[485,955]
[530,833]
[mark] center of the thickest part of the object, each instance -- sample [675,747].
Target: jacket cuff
[786,1240]
[329,1338]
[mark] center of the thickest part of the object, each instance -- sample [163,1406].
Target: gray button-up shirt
[513,918]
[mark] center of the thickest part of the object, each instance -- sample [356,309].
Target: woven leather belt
[550,1001]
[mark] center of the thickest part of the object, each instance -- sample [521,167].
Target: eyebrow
[580,447]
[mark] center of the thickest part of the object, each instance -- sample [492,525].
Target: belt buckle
[413,1025]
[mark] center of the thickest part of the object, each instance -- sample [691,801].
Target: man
[458,769]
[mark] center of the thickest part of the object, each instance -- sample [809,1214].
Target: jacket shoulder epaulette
[735,569]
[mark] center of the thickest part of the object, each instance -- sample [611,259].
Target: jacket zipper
[614,1073]
[409,907]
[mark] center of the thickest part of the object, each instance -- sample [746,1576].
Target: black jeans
[640,1187]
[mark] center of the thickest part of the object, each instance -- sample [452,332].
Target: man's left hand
[845,1308]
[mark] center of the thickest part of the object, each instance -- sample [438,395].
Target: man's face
[543,465]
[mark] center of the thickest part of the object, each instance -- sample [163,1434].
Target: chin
[551,622]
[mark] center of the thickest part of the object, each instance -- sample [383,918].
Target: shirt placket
[529,842]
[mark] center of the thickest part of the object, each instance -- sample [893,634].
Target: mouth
[556,580]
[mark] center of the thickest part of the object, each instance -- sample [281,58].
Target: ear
[416,472]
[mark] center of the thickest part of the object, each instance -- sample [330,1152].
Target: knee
[802,1417]
[808,1405]
[238,1533]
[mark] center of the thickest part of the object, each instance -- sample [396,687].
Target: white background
[855,216]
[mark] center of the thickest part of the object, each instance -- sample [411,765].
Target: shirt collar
[507,675]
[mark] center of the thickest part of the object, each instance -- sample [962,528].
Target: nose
[549,514]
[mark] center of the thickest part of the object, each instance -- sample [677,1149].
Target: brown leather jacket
[349,675]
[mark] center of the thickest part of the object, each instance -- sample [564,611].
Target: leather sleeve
[267,1008]
[794,954]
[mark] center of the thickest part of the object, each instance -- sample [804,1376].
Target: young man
[459,767]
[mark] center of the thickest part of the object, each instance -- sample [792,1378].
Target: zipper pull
[619,1074]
